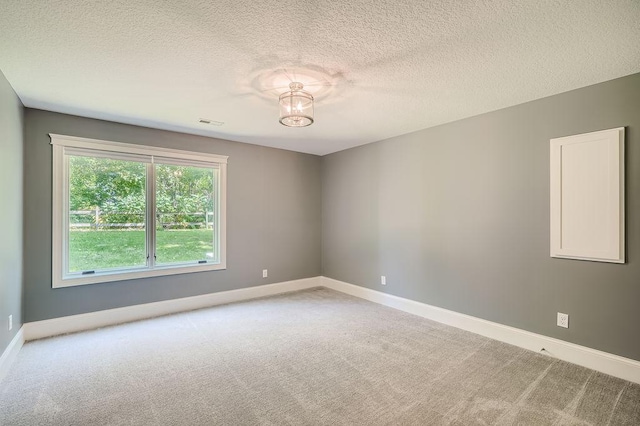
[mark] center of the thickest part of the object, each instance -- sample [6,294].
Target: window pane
[185,215]
[106,214]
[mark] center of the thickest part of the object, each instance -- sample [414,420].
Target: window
[123,211]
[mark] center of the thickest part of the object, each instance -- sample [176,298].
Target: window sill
[159,271]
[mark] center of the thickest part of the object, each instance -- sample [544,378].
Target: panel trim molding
[92,320]
[614,365]
[11,352]
[587,196]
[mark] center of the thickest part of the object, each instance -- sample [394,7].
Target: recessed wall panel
[587,196]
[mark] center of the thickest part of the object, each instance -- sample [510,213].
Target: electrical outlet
[563,320]
[383,280]
[265,273]
[10,322]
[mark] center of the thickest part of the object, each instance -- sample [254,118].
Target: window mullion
[216,212]
[151,216]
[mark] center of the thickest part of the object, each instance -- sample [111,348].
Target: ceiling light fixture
[296,106]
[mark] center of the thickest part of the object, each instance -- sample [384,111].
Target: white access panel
[587,196]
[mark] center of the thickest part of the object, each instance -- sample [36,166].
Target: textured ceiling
[378,69]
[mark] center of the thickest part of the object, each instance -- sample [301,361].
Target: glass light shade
[296,107]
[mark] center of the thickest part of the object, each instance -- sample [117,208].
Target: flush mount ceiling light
[296,106]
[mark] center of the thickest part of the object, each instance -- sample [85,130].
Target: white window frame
[61,144]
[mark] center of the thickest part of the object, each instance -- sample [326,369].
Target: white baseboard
[73,323]
[614,365]
[604,362]
[9,355]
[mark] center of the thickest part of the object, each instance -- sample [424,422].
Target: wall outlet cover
[265,273]
[563,320]
[383,280]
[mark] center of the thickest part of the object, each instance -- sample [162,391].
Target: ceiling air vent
[211,122]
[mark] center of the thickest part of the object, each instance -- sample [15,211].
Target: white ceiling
[379,69]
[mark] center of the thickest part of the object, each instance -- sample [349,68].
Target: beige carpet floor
[315,357]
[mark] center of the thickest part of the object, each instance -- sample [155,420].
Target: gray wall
[11,128]
[273,210]
[457,216]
